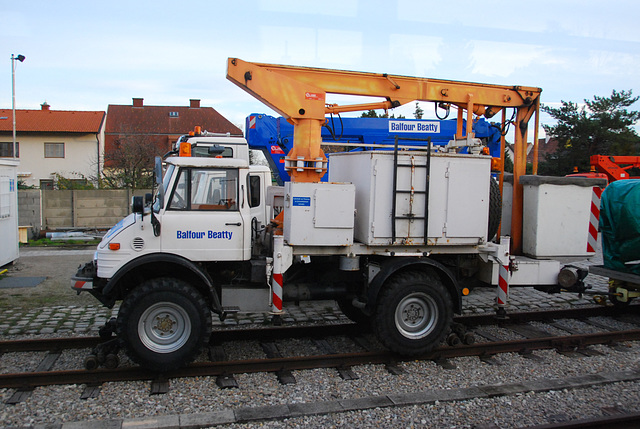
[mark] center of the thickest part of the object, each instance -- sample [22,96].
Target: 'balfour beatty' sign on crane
[414,127]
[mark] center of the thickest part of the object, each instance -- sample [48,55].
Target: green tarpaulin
[620,226]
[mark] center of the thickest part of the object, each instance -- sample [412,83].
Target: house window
[6,150]
[54,150]
[174,114]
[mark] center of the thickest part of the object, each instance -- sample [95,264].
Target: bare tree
[129,164]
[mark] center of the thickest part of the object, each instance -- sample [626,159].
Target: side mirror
[157,173]
[157,170]
[137,204]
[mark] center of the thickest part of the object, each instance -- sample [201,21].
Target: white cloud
[287,44]
[325,7]
[502,58]
[613,63]
[339,47]
[422,51]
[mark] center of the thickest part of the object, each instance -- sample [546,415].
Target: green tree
[374,114]
[370,114]
[603,126]
[419,113]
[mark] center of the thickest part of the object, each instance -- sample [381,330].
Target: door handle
[233,223]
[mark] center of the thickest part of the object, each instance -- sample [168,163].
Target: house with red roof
[160,125]
[54,142]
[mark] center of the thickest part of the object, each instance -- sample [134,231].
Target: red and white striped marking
[592,238]
[276,286]
[276,277]
[503,285]
[252,122]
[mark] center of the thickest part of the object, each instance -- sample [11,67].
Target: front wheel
[163,324]
[413,314]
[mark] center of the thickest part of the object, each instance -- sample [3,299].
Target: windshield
[165,185]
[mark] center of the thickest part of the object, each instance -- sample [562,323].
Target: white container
[507,206]
[318,214]
[458,208]
[556,215]
[9,251]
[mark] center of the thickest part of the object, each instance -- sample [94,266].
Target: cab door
[207,215]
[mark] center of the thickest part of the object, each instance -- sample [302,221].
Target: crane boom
[299,94]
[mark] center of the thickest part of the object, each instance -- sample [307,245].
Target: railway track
[485,346]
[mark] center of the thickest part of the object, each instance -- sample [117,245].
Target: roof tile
[52,121]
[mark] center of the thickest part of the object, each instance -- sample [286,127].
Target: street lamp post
[13,96]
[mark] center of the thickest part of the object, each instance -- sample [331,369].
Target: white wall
[80,157]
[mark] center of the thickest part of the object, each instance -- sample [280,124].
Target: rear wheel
[413,313]
[163,324]
[495,209]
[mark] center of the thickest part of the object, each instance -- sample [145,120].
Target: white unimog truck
[394,237]
[203,245]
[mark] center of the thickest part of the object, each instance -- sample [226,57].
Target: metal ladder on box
[411,216]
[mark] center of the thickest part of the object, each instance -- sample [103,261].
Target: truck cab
[170,260]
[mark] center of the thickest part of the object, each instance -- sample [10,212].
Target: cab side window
[207,189]
[254,191]
[179,195]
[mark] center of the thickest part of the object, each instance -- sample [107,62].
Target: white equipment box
[10,250]
[458,196]
[319,214]
[557,215]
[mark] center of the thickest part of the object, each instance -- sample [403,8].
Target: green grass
[47,242]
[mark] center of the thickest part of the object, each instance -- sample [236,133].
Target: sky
[86,55]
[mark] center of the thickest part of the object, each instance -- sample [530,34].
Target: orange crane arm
[615,167]
[299,94]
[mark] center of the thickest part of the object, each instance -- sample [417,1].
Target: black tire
[413,313]
[495,209]
[353,313]
[163,324]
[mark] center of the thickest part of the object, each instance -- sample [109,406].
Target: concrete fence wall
[100,209]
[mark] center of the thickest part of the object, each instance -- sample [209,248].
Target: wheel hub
[416,315]
[164,327]
[164,324]
[413,314]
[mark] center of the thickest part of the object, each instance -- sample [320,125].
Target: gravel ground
[58,404]
[200,395]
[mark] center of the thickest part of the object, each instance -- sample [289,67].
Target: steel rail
[36,379]
[268,333]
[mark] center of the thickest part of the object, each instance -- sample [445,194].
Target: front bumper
[85,277]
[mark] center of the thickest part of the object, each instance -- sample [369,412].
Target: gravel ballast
[194,399]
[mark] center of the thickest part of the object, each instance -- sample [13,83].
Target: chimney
[194,103]
[44,106]
[138,102]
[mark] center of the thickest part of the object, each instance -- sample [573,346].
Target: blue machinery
[274,136]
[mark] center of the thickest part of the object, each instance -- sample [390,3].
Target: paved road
[84,315]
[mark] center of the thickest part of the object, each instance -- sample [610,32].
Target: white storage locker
[319,214]
[458,207]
